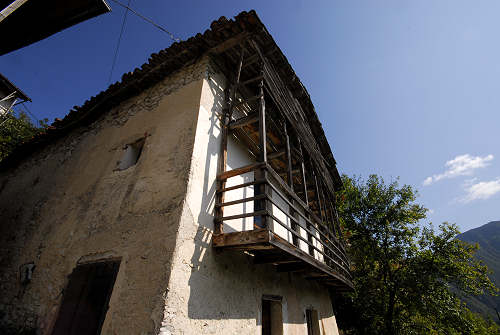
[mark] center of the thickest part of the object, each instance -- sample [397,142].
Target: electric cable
[119,41]
[147,20]
[30,113]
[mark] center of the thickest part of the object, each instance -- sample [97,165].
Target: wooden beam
[238,239]
[230,43]
[288,157]
[275,259]
[293,267]
[303,173]
[235,187]
[316,275]
[276,154]
[239,171]
[246,101]
[235,202]
[243,121]
[264,221]
[244,215]
[278,242]
[249,81]
[221,168]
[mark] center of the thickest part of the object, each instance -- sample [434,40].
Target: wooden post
[303,173]
[318,197]
[219,211]
[264,221]
[288,153]
[230,95]
[325,217]
[306,198]
[288,157]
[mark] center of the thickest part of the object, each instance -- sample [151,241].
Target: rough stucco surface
[220,293]
[68,203]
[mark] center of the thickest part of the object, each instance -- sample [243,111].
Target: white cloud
[462,165]
[481,190]
[430,211]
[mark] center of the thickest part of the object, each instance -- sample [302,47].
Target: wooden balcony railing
[324,257]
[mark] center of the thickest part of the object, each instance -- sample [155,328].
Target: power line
[29,112]
[119,41]
[147,20]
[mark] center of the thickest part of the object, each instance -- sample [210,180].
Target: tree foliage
[16,130]
[404,271]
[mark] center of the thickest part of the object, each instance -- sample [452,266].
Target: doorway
[85,300]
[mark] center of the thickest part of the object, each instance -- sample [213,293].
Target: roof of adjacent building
[6,86]
[34,20]
[222,32]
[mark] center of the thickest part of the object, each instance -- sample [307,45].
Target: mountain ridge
[488,238]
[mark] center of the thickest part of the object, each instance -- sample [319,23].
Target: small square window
[131,154]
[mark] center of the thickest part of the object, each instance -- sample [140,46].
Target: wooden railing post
[306,197]
[230,95]
[264,221]
[288,153]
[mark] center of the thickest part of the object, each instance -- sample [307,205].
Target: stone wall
[68,203]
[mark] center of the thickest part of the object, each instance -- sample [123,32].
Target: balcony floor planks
[273,249]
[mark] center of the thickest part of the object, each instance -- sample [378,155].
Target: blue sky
[405,89]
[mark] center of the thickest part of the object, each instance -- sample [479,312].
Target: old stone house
[196,196]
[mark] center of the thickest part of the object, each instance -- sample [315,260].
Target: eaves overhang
[222,35]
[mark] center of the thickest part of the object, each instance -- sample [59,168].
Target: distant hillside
[488,237]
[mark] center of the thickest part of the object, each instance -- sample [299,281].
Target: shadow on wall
[227,285]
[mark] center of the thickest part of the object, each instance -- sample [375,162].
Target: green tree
[16,130]
[404,271]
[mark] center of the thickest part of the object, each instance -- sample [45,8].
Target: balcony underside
[269,248]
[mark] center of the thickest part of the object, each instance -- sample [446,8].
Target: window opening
[131,155]
[86,299]
[312,322]
[272,316]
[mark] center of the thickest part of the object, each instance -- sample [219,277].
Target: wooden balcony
[278,205]
[308,247]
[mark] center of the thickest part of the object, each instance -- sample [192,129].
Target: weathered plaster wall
[220,293]
[67,203]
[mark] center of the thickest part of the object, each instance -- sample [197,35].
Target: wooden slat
[241,216]
[275,155]
[235,187]
[235,202]
[246,101]
[283,185]
[246,120]
[338,254]
[291,193]
[252,80]
[239,171]
[251,60]
[307,219]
